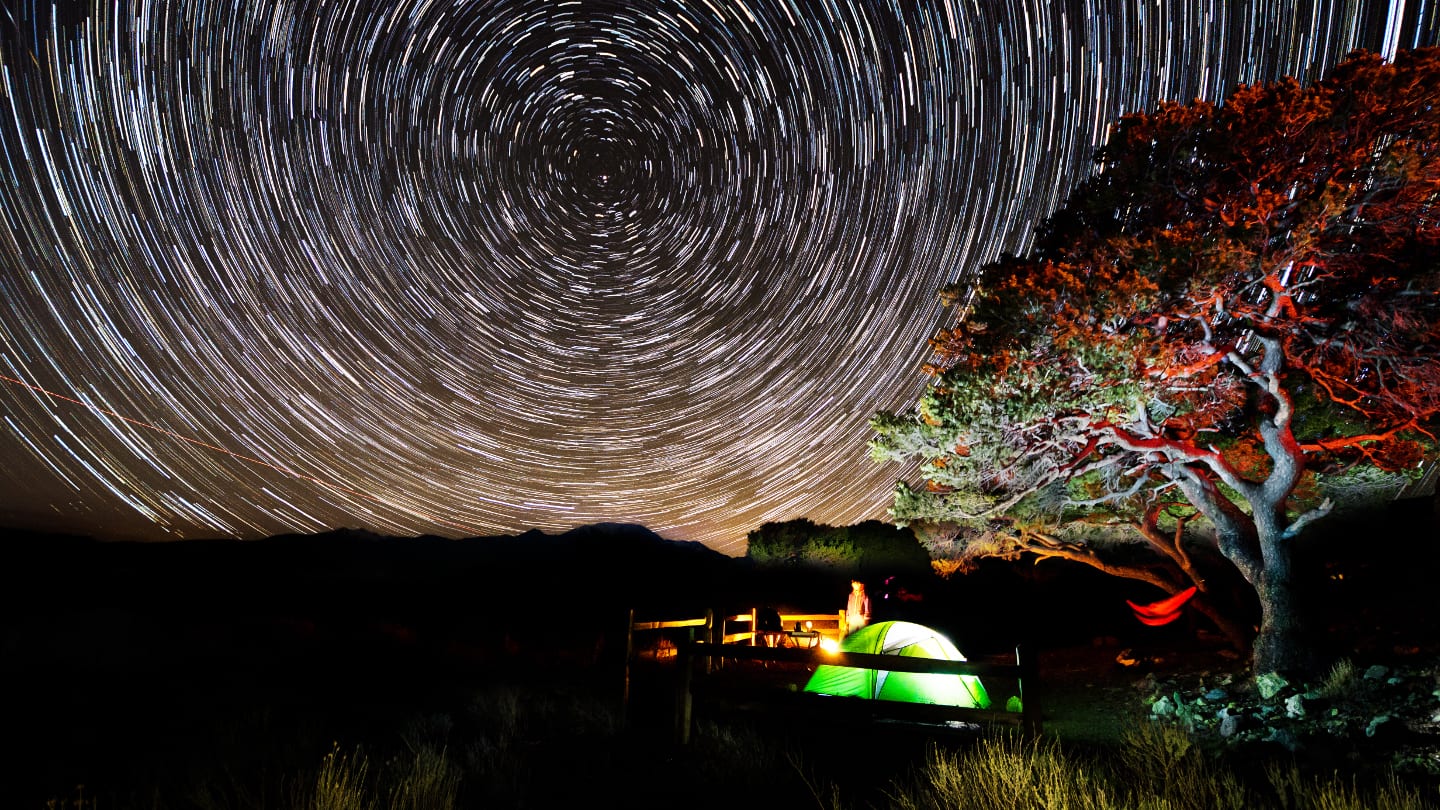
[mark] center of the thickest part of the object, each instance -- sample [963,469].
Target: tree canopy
[868,546]
[1240,302]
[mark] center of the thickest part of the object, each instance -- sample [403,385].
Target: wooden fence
[709,642]
[704,625]
[828,625]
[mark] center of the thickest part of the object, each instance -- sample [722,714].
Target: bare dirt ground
[1091,694]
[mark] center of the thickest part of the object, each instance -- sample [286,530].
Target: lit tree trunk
[1262,552]
[1280,646]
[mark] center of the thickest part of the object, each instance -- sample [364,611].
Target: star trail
[466,268]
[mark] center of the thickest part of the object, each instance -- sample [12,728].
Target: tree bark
[1281,645]
[1278,647]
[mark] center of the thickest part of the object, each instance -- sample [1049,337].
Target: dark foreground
[342,672]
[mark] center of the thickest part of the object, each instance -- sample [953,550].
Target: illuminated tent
[900,638]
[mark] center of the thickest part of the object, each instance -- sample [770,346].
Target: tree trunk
[1281,645]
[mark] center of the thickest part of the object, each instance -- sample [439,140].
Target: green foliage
[780,543]
[871,545]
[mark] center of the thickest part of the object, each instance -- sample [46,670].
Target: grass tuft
[340,783]
[1340,681]
[1296,791]
[1002,773]
[426,780]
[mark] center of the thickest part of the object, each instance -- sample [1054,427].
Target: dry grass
[1155,769]
[1340,681]
[340,784]
[1003,773]
[1165,769]
[514,747]
[1296,792]
[426,780]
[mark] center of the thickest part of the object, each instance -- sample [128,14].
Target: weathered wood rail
[828,625]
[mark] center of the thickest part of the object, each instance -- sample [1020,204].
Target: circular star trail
[468,268]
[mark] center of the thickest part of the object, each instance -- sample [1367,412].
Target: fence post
[717,637]
[683,698]
[754,626]
[629,656]
[707,636]
[1031,715]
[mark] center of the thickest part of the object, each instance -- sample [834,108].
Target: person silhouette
[857,607]
[767,621]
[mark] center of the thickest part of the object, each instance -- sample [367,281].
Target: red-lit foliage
[1243,296]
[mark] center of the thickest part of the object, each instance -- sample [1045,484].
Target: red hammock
[1163,612]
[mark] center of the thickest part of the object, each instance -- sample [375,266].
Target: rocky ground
[1360,714]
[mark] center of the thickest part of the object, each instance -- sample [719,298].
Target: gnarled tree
[1241,299]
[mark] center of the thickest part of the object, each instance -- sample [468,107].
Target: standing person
[768,626]
[857,607]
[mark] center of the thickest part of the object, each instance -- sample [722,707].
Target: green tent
[900,638]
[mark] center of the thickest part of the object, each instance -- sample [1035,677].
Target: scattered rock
[1376,672]
[1231,723]
[1283,737]
[1148,684]
[1376,723]
[1270,684]
[1393,716]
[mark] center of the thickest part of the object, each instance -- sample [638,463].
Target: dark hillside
[125,656]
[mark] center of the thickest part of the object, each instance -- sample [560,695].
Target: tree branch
[1307,518]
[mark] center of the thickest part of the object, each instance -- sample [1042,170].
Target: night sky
[470,268]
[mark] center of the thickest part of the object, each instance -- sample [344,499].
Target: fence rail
[664,625]
[828,625]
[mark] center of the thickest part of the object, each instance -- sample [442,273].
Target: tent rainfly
[900,638]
